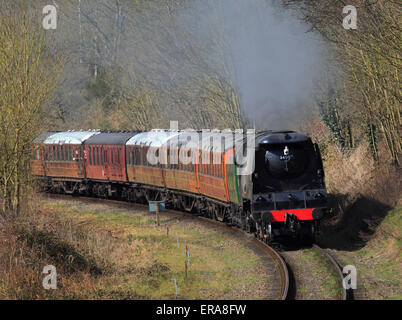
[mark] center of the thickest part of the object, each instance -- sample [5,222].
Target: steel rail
[335,265]
[280,264]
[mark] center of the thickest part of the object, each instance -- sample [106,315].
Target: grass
[313,262]
[379,263]
[105,253]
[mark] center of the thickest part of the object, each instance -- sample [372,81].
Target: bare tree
[28,75]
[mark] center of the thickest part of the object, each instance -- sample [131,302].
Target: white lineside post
[157,213]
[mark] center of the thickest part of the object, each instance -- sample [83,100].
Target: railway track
[332,261]
[274,261]
[285,268]
[314,274]
[280,266]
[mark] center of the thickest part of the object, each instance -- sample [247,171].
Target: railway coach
[105,163]
[58,160]
[284,196]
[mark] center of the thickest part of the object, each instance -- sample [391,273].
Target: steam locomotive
[281,193]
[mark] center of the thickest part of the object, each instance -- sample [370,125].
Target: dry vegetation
[105,85]
[104,251]
[28,76]
[359,132]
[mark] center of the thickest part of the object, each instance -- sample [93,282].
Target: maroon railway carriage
[105,156]
[285,194]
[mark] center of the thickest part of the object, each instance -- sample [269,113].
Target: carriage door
[106,162]
[79,155]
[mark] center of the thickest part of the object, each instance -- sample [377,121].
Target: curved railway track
[335,265]
[274,261]
[306,266]
[280,266]
[284,283]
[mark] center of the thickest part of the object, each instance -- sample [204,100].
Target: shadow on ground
[351,223]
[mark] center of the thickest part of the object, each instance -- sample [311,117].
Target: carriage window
[143,157]
[167,165]
[212,173]
[137,157]
[191,165]
[90,155]
[147,163]
[105,156]
[172,159]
